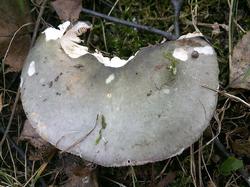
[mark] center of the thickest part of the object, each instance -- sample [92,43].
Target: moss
[173,62]
[103,126]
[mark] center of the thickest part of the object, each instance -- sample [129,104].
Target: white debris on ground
[110,78]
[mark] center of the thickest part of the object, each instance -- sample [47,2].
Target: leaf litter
[240,66]
[239,72]
[68,10]
[14,35]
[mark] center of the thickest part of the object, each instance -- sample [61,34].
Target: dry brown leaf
[240,66]
[241,147]
[29,133]
[211,184]
[43,148]
[79,173]
[240,141]
[18,52]
[13,15]
[168,179]
[87,181]
[68,10]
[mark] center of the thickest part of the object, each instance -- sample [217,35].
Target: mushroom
[146,109]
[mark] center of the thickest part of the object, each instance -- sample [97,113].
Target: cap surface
[148,110]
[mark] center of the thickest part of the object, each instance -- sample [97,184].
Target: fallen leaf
[211,184]
[67,10]
[18,52]
[239,141]
[248,3]
[87,181]
[43,148]
[167,180]
[14,14]
[240,65]
[241,147]
[229,165]
[29,133]
[79,172]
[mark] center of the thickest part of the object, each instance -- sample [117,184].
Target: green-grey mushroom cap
[148,110]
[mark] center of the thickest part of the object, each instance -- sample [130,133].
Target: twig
[39,171]
[199,162]
[192,165]
[7,51]
[21,153]
[209,25]
[113,7]
[80,139]
[208,174]
[230,96]
[167,35]
[14,35]
[38,22]
[163,170]
[194,13]
[232,7]
[221,148]
[10,120]
[11,158]
[113,181]
[13,144]
[177,4]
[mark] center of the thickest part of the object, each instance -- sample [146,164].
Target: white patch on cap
[206,50]
[32,68]
[190,35]
[54,34]
[180,54]
[109,95]
[166,91]
[110,78]
[42,81]
[21,83]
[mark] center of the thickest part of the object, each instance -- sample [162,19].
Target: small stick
[38,23]
[80,139]
[177,4]
[167,35]
[10,120]
[229,96]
